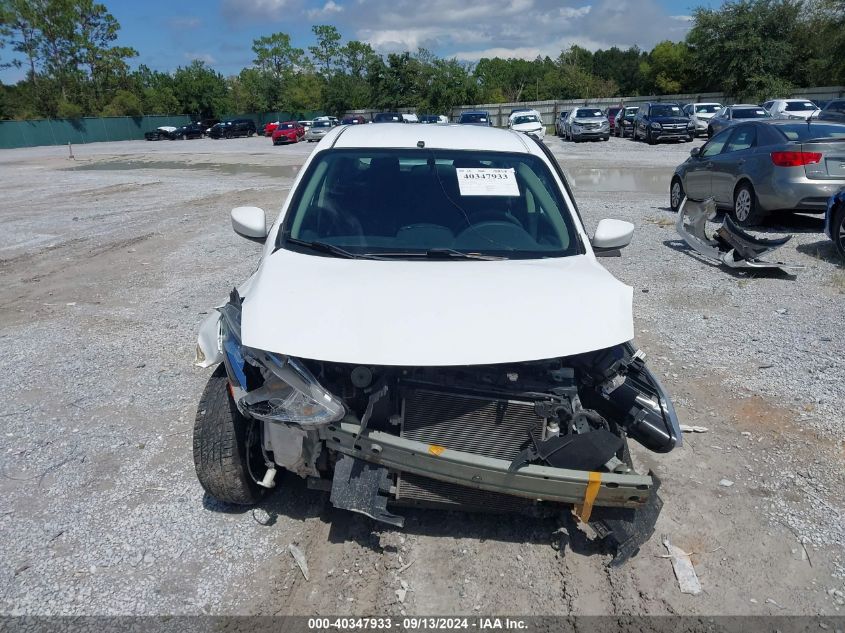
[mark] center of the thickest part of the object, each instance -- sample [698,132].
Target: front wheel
[676,194]
[226,445]
[837,230]
[649,138]
[745,211]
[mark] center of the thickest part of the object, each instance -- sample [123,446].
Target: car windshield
[707,108]
[287,126]
[665,110]
[473,118]
[383,117]
[807,131]
[586,113]
[322,124]
[799,106]
[750,113]
[629,112]
[526,118]
[412,203]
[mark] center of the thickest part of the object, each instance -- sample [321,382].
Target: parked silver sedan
[730,115]
[756,167]
[318,130]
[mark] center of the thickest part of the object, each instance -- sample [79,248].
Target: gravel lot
[110,261]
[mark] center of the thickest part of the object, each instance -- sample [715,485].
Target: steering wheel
[496,233]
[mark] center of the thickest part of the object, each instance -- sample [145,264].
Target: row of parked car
[656,121]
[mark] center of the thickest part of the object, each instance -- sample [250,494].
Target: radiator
[483,426]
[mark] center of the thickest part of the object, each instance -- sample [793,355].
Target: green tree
[276,55]
[327,50]
[745,46]
[667,67]
[200,90]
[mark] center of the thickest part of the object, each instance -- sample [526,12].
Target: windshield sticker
[487,182]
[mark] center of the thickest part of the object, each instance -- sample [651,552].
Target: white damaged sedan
[429,326]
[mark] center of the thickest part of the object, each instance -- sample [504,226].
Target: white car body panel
[431,313]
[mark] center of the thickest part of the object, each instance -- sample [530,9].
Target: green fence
[100,129]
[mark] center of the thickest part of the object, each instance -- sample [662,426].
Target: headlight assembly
[271,387]
[290,393]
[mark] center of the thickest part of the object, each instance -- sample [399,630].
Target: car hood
[704,115]
[430,313]
[581,121]
[527,127]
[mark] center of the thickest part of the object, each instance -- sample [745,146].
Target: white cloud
[331,7]
[472,29]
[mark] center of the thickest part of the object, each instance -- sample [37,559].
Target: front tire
[223,452]
[745,211]
[837,230]
[676,194]
[649,138]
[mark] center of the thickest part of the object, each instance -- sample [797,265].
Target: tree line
[750,49]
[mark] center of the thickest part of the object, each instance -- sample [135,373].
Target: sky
[169,34]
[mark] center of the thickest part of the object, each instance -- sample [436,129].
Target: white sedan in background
[528,122]
[798,109]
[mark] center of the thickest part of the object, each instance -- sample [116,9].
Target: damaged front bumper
[729,244]
[534,482]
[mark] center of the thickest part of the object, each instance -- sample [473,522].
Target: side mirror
[694,152]
[610,236]
[250,222]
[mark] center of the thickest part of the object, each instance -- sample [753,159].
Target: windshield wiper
[443,253]
[331,249]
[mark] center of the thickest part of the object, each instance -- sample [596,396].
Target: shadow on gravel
[290,498]
[556,533]
[293,500]
[739,273]
[823,250]
[791,223]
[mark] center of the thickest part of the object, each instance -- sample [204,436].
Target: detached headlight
[290,393]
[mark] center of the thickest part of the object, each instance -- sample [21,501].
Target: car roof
[484,112]
[458,137]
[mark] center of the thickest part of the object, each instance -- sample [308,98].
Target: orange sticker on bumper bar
[586,509]
[434,449]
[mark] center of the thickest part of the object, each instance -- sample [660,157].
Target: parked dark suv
[233,128]
[662,121]
[388,117]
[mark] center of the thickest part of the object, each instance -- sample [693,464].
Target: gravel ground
[111,260]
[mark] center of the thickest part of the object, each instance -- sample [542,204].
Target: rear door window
[716,144]
[744,137]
